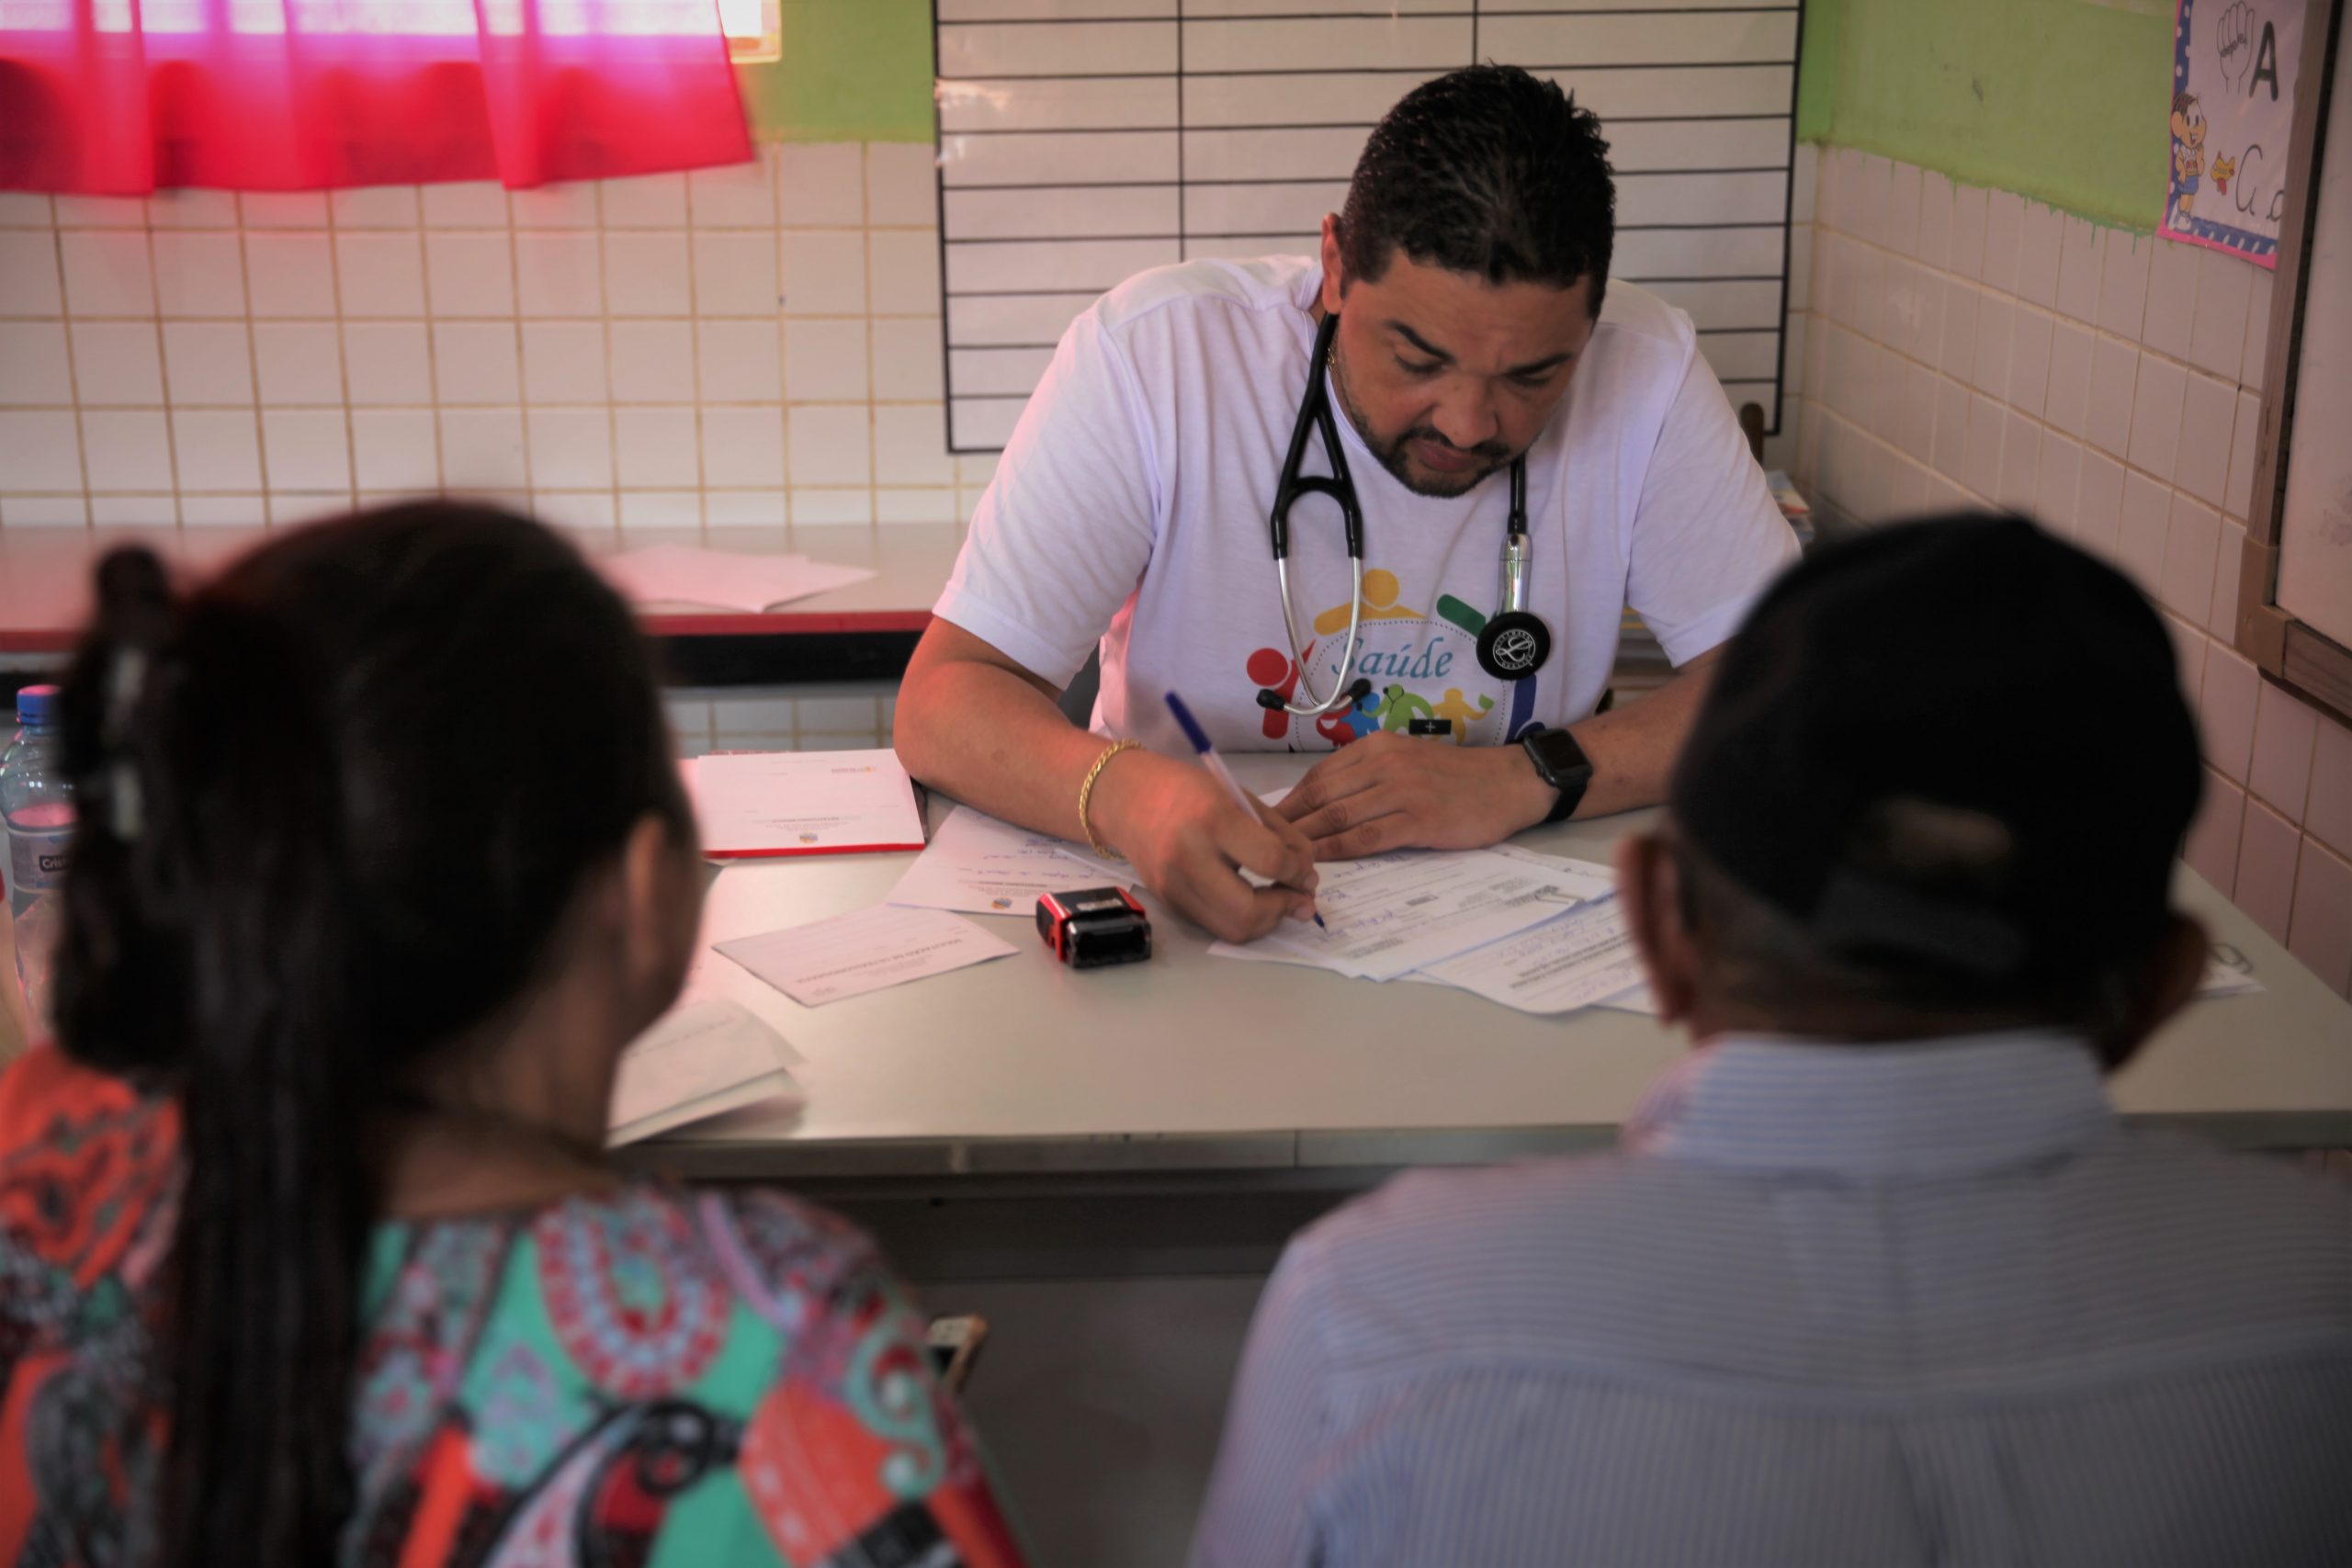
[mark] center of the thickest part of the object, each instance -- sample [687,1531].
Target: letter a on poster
[2233,106]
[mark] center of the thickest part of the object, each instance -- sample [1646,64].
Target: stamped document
[1388,915]
[696,1061]
[753,804]
[851,954]
[982,866]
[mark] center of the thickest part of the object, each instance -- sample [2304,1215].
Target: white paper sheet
[1387,915]
[784,803]
[1566,963]
[1578,879]
[1637,999]
[983,866]
[2227,974]
[698,1060]
[851,954]
[717,580]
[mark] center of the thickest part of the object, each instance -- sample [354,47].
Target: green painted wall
[852,71]
[2062,100]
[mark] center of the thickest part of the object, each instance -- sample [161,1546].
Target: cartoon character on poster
[2227,126]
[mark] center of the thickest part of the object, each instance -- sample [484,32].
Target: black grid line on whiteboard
[1081,142]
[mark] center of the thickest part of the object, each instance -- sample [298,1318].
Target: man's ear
[1334,271]
[1650,885]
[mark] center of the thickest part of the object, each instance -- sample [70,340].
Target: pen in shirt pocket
[1215,764]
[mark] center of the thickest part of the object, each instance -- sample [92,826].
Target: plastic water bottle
[39,813]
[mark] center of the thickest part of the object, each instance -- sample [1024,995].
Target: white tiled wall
[1965,346]
[751,345]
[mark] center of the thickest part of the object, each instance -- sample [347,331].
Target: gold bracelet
[1086,797]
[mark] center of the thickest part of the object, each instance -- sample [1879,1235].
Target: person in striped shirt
[1877,1275]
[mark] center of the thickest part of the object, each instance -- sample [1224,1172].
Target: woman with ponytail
[307,1250]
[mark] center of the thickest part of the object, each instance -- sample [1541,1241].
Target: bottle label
[37,860]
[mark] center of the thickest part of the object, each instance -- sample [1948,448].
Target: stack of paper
[706,1057]
[673,574]
[848,955]
[983,866]
[802,803]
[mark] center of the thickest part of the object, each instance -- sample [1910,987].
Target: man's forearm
[988,738]
[1633,748]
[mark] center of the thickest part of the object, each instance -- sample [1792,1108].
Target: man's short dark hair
[1487,171]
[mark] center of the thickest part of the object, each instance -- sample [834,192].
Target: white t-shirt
[1130,508]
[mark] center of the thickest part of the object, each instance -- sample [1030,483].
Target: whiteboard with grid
[1083,140]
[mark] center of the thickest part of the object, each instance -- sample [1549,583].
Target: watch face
[1558,757]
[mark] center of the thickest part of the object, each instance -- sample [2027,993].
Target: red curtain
[118,97]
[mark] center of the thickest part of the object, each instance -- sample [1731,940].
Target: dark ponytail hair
[334,807]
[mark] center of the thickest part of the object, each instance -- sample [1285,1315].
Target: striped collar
[1958,1106]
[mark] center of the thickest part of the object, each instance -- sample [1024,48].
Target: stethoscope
[1515,641]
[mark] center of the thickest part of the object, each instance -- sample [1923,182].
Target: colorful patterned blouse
[657,1377]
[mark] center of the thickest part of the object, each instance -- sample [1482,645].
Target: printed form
[848,955]
[983,866]
[802,803]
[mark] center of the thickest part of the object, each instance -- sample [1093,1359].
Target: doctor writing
[1417,477]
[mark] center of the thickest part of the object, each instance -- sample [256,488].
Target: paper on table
[851,954]
[1566,963]
[1578,879]
[804,803]
[983,866]
[1387,915]
[1636,999]
[676,574]
[698,1060]
[2228,973]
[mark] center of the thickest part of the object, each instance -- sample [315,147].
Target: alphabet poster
[2232,108]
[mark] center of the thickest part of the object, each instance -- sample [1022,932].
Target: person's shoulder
[2186,1187]
[1195,290]
[1644,332]
[781,1253]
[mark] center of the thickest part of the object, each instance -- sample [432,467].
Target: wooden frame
[2314,667]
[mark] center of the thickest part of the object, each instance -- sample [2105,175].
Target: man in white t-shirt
[1129,512]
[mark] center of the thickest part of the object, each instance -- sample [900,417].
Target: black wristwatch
[1560,762]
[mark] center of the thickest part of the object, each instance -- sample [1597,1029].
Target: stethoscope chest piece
[1514,645]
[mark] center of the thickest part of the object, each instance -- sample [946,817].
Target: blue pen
[1215,764]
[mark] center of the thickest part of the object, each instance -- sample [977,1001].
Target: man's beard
[1398,462]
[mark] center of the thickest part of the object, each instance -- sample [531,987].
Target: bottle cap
[37,704]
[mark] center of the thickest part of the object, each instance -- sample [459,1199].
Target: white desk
[1189,1063]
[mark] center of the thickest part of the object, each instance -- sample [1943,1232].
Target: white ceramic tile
[1866,199]
[107,272]
[284,209]
[2329,815]
[648,274]
[117,364]
[741,362]
[395,449]
[101,213]
[135,511]
[45,511]
[2123,282]
[1968,220]
[1866,285]
[2244,456]
[2029,335]
[374,206]
[298,363]
[585,512]
[1957,357]
[2079,255]
[738,196]
[2285,730]
[563,362]
[223,510]
[1934,247]
[744,447]
[2156,415]
[907,358]
[567,206]
[2038,245]
[387,363]
[901,185]
[571,449]
[1801,266]
[933,504]
[127,449]
[1980,471]
[1900,233]
[2140,543]
[2020,464]
[2266,856]
[2225,710]
[477,362]
[2208,411]
[2054,494]
[1914,399]
[2098,503]
[1882,414]
[2172,298]
[2070,378]
[2107,418]
[2319,932]
[659,511]
[735,273]
[1950,451]
[822,507]
[646,201]
[903,266]
[1792,351]
[744,509]
[200,274]
[35,368]
[382,274]
[2189,644]
[2190,543]
[2218,332]
[293,508]
[656,447]
[911,446]
[290,273]
[822,184]
[558,273]
[28,285]
[831,446]
[2257,330]
[469,273]
[2228,560]
[2211,850]
[190,208]
[825,361]
[1804,189]
[218,451]
[465,204]
[306,449]
[824,272]
[2004,231]
[482,449]
[653,362]
[1828,287]
[27,209]
[1990,374]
